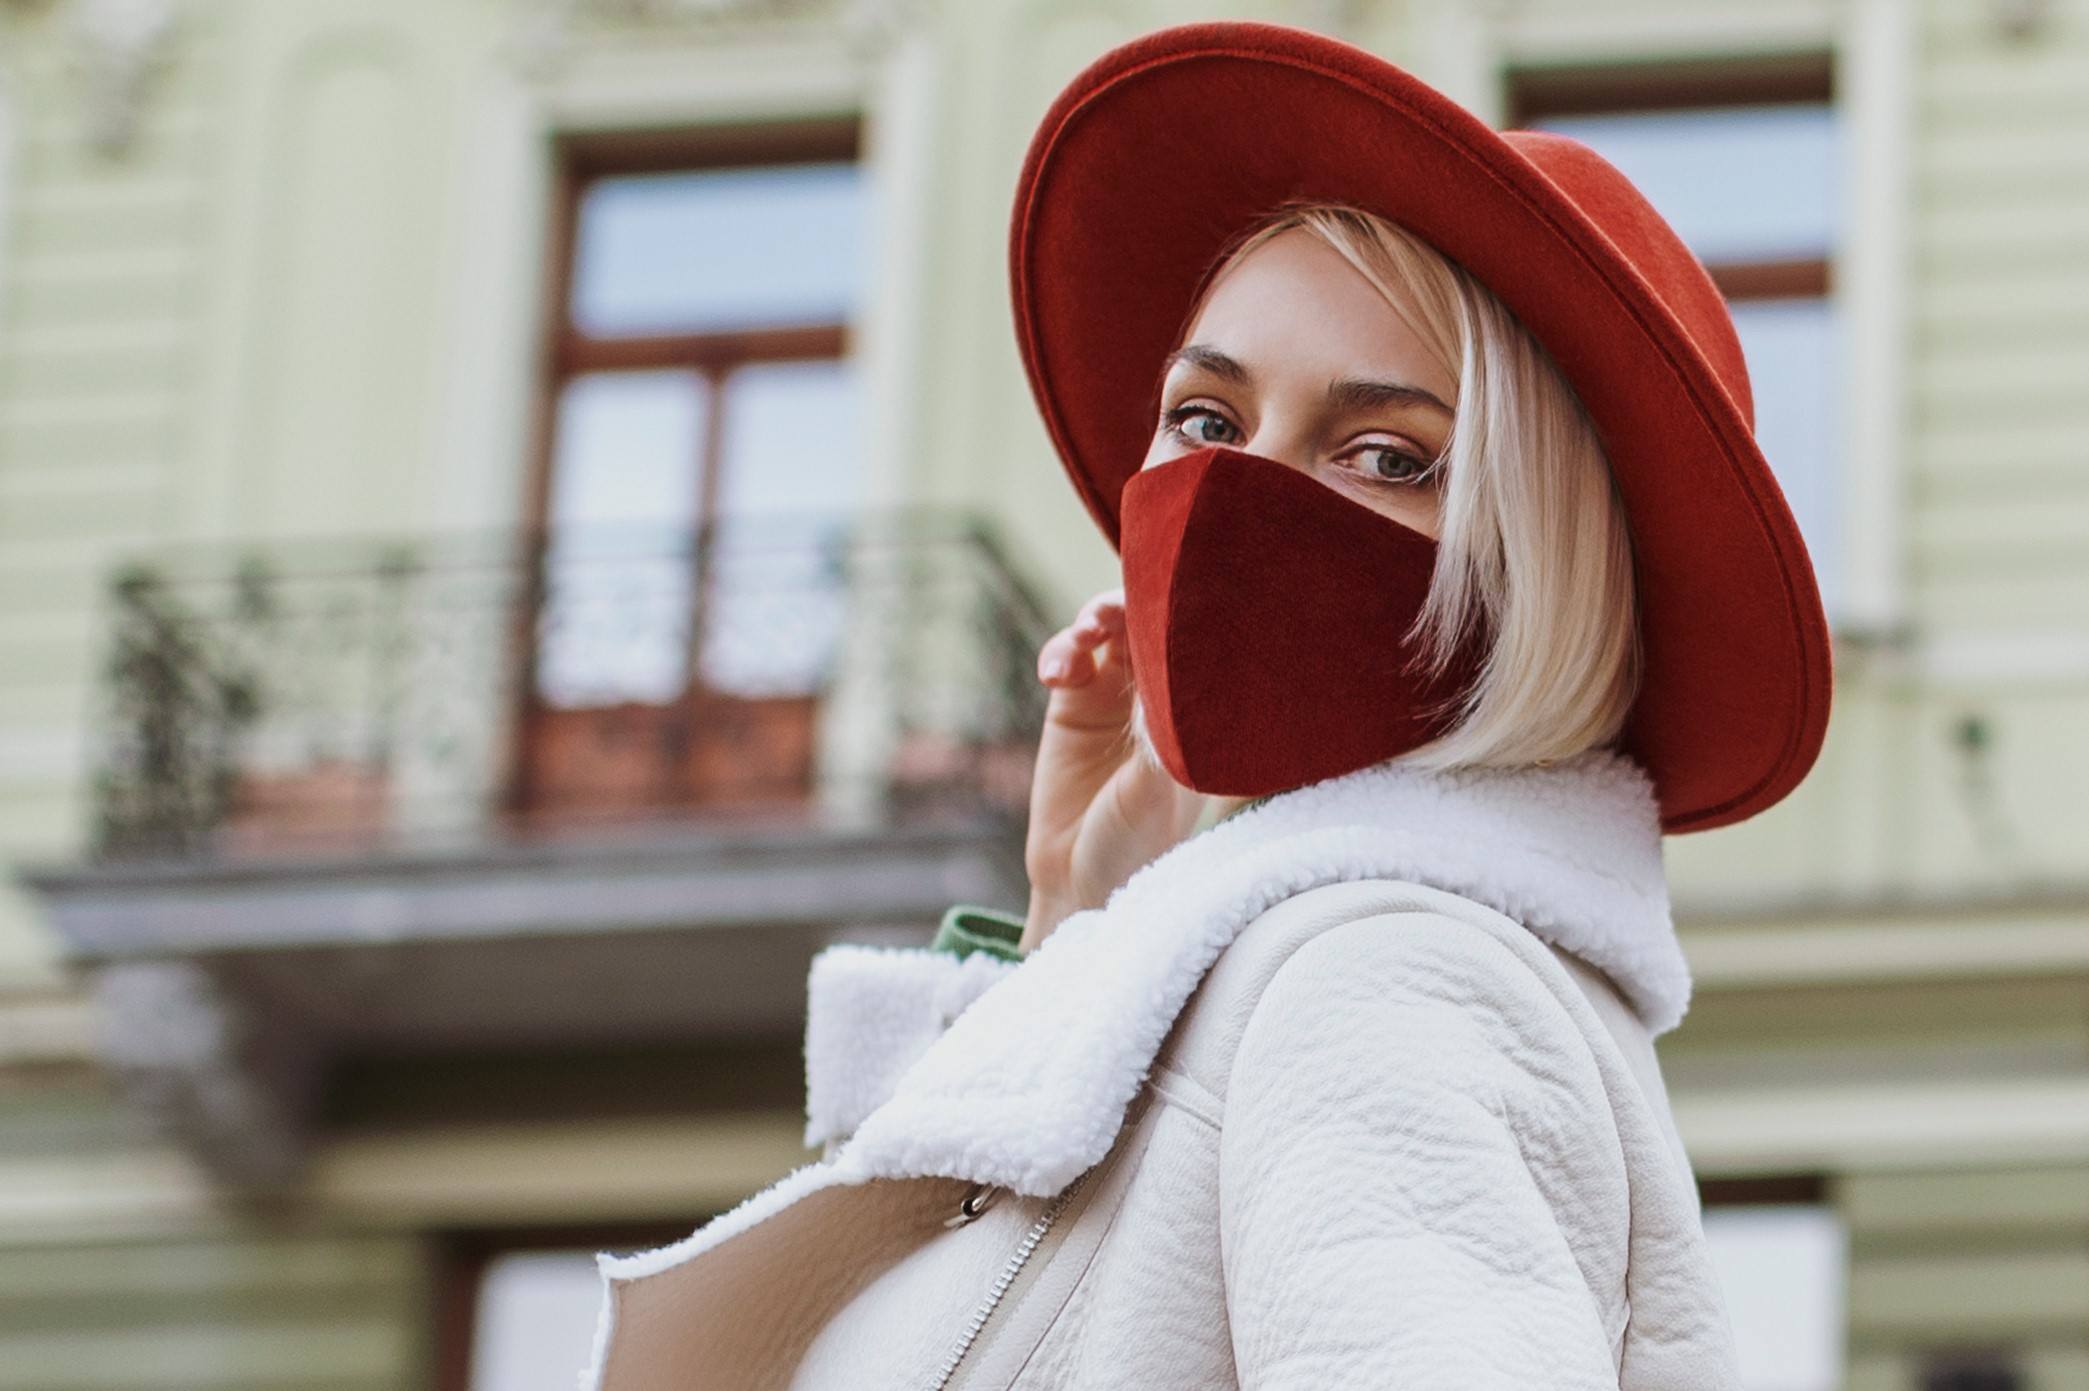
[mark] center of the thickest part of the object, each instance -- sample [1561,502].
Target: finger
[1076,669]
[1093,633]
[1103,633]
[1090,698]
[1093,643]
[1055,657]
[1064,661]
[1104,609]
[1083,636]
[1104,618]
[1103,671]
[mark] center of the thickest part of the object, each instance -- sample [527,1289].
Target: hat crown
[1645,239]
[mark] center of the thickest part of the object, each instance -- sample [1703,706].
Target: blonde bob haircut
[1534,545]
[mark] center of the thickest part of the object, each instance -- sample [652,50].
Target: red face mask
[1266,614]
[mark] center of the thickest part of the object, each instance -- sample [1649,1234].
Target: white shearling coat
[1354,1088]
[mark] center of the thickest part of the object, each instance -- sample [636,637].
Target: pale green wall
[1980,1256]
[100,315]
[283,1312]
[109,1285]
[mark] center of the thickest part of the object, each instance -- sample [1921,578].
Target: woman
[1452,580]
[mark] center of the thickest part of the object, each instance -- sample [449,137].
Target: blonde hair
[1534,545]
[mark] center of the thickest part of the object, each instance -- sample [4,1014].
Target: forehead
[1295,310]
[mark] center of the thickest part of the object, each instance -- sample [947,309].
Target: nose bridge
[1276,439]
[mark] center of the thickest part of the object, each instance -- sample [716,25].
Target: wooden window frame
[1779,1190]
[566,351]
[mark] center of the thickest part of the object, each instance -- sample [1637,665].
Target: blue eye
[1412,468]
[1177,417]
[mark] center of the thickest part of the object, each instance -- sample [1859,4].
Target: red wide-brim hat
[1164,149]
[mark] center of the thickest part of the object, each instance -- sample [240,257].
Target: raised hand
[1100,807]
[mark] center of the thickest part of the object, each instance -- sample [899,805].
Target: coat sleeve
[1420,1180]
[870,1011]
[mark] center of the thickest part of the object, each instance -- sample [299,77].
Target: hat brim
[1161,151]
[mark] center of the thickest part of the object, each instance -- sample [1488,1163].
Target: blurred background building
[521,519]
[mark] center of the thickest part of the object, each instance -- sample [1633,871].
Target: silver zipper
[978,1198]
[966,1212]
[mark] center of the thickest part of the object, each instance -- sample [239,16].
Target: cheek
[1425,517]
[1423,514]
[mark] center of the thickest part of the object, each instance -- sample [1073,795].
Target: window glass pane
[792,476]
[1773,192]
[627,450]
[1793,350]
[534,1328]
[1782,1268]
[618,587]
[709,249]
[793,441]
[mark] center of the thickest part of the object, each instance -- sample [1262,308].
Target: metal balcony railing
[352,698]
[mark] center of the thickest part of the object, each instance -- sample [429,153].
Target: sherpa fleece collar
[1057,1047]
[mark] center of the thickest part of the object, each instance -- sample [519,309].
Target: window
[535,1324]
[519,1307]
[700,465]
[1782,1256]
[1766,228]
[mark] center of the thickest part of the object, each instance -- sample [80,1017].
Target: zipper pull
[978,1198]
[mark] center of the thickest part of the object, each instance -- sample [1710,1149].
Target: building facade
[520,520]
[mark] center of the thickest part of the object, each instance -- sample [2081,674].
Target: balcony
[261,705]
[471,795]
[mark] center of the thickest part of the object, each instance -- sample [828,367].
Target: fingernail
[1055,668]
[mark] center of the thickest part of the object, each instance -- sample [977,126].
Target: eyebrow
[1349,394]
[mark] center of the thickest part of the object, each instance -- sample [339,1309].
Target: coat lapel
[1028,1086]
